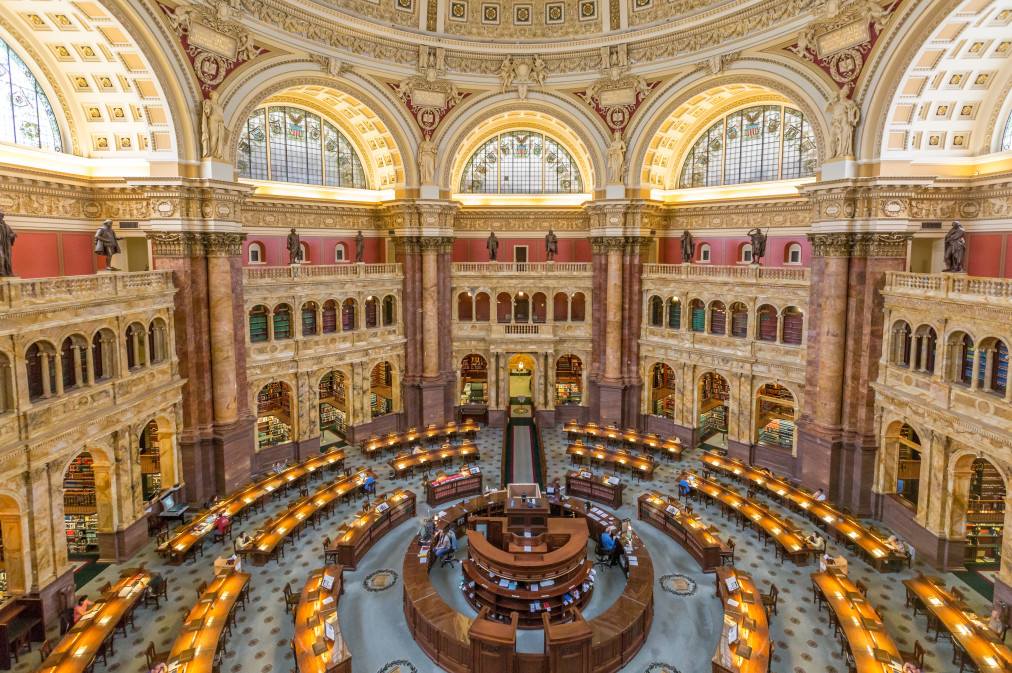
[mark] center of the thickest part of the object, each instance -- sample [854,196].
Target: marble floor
[686,620]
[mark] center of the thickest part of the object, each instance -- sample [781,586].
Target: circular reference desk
[460,644]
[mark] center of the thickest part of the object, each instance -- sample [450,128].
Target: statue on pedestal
[359,247]
[616,159]
[493,247]
[427,161]
[106,244]
[758,244]
[212,136]
[7,237]
[294,247]
[551,245]
[688,247]
[955,249]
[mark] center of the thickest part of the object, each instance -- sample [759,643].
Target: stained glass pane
[521,162]
[26,117]
[1006,139]
[745,147]
[341,164]
[252,158]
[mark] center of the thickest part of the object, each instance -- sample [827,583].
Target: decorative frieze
[859,245]
[195,244]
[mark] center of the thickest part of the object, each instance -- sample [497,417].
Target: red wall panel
[37,254]
[984,254]
[79,254]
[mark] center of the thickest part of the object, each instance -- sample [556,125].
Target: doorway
[521,379]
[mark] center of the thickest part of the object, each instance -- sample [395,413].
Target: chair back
[774,592]
[45,649]
[919,654]
[149,654]
[288,590]
[730,543]
[201,588]
[326,543]
[862,587]
[106,587]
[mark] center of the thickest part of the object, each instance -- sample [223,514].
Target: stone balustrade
[526,268]
[750,274]
[19,293]
[270,275]
[955,286]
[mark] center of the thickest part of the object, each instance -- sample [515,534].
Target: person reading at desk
[278,467]
[243,541]
[819,495]
[220,524]
[816,541]
[684,487]
[443,546]
[82,607]
[610,544]
[896,545]
[418,449]
[210,504]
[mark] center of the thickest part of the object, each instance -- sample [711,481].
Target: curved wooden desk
[395,440]
[614,636]
[314,651]
[743,607]
[670,447]
[196,647]
[670,516]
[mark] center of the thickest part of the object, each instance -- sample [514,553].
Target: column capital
[196,244]
[416,217]
[839,244]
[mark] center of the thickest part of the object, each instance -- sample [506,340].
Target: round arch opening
[662,390]
[521,379]
[569,380]
[381,390]
[80,506]
[155,442]
[714,396]
[274,415]
[775,413]
[333,391]
[473,380]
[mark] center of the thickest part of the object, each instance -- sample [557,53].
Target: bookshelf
[793,320]
[1000,375]
[380,405]
[333,419]
[82,533]
[80,506]
[767,325]
[309,319]
[151,463]
[274,398]
[985,515]
[698,319]
[712,421]
[474,380]
[272,431]
[739,323]
[778,432]
[282,323]
[665,406]
[453,487]
[568,393]
[674,315]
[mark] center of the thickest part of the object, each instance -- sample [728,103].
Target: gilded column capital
[830,245]
[881,245]
[223,244]
[604,244]
[438,244]
[176,244]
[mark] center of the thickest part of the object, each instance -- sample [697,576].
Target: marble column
[431,327]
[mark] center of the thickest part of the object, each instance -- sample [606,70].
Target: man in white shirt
[819,495]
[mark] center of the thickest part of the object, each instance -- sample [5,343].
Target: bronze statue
[359,247]
[294,247]
[7,237]
[551,245]
[106,244]
[758,244]
[493,247]
[955,249]
[688,247]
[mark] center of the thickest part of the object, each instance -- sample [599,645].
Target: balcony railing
[504,268]
[745,274]
[271,274]
[954,286]
[17,292]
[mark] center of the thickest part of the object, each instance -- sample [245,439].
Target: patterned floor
[686,620]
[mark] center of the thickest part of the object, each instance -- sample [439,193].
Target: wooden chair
[243,596]
[817,596]
[106,588]
[727,557]
[961,657]
[915,657]
[329,555]
[201,588]
[291,599]
[862,587]
[770,600]
[154,657]
[45,649]
[157,592]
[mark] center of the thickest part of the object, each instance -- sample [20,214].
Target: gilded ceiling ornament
[214,41]
[427,96]
[522,73]
[618,95]
[716,64]
[842,35]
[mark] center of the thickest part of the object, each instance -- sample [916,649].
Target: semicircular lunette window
[762,143]
[26,117]
[289,144]
[521,162]
[1006,139]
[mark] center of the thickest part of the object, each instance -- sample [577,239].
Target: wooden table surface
[869,642]
[648,441]
[982,644]
[360,526]
[197,643]
[850,527]
[78,648]
[793,542]
[201,525]
[318,602]
[755,635]
[645,465]
[393,439]
[401,464]
[266,540]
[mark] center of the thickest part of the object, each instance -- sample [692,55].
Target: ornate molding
[859,245]
[223,244]
[196,244]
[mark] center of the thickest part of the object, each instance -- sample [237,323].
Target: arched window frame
[704,253]
[489,156]
[255,254]
[796,157]
[789,254]
[340,252]
[1006,138]
[745,253]
[261,150]
[42,132]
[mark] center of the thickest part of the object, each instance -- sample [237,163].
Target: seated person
[610,544]
[443,546]
[82,607]
[210,504]
[817,541]
[278,467]
[684,487]
[765,470]
[896,545]
[418,449]
[243,541]
[819,495]
[220,524]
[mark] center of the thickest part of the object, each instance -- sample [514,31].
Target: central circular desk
[487,643]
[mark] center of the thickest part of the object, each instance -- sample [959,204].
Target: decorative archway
[569,380]
[712,406]
[473,380]
[157,453]
[520,382]
[334,418]
[977,496]
[776,409]
[381,388]
[663,395]
[275,420]
[88,510]
[14,537]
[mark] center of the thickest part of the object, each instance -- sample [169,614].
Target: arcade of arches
[777,231]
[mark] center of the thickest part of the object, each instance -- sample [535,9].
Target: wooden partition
[568,646]
[493,644]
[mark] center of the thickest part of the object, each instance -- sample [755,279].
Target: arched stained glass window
[289,144]
[1006,139]
[521,162]
[26,117]
[756,144]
